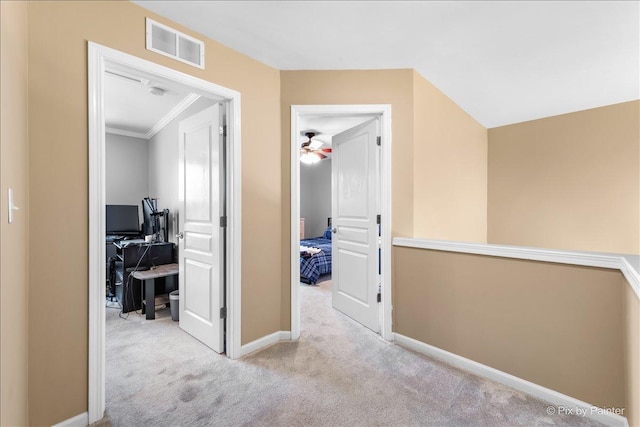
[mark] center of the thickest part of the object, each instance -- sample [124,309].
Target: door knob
[334,230]
[180,235]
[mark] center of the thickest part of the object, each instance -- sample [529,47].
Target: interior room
[315,188]
[141,179]
[141,123]
[318,203]
[512,279]
[315,209]
[143,118]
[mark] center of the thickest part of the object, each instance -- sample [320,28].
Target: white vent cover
[169,42]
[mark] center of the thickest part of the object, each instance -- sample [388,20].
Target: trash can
[174,304]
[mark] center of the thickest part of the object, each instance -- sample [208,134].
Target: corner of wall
[631,308]
[285,206]
[14,248]
[450,168]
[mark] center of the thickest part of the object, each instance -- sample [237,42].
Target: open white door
[354,213]
[201,240]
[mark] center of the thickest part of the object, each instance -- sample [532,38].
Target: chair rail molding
[629,265]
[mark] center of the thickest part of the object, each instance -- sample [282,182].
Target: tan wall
[568,182]
[632,354]
[14,265]
[449,167]
[556,325]
[351,87]
[58,35]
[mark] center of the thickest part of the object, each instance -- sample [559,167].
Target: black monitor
[151,222]
[122,220]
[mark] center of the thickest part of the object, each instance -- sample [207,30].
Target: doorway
[100,59]
[383,112]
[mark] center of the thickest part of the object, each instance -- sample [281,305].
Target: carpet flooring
[338,374]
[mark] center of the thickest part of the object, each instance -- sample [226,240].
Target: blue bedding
[311,267]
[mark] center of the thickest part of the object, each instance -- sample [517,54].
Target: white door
[354,210]
[201,172]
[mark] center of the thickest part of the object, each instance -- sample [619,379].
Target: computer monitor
[122,220]
[151,224]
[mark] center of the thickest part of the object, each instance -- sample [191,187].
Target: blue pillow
[327,233]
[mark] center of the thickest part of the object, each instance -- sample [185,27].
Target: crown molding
[175,112]
[132,134]
[164,121]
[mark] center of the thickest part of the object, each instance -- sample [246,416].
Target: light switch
[10,204]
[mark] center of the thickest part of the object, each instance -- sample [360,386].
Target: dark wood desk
[132,255]
[148,277]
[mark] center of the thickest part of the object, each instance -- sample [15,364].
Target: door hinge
[222,130]
[223,221]
[379,140]
[223,312]
[379,297]
[378,219]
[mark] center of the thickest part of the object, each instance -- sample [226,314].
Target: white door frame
[384,111]
[100,58]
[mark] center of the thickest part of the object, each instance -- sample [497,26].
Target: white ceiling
[131,109]
[502,61]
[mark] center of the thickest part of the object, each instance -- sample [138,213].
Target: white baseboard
[556,399]
[265,341]
[81,420]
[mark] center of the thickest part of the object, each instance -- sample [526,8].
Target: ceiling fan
[310,151]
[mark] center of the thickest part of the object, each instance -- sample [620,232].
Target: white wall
[315,196]
[163,164]
[127,170]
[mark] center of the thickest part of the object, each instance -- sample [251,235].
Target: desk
[132,255]
[148,277]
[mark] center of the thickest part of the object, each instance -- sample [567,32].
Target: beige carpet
[338,374]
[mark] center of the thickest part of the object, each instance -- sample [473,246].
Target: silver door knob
[180,235]
[334,230]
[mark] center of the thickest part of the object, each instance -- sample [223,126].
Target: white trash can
[174,304]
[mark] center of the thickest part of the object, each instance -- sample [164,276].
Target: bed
[312,265]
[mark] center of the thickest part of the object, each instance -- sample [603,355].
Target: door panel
[354,235]
[350,280]
[198,175]
[354,209]
[197,294]
[353,181]
[201,251]
[198,242]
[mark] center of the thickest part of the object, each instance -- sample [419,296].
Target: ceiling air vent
[169,42]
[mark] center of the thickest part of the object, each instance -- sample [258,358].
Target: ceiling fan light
[315,144]
[309,158]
